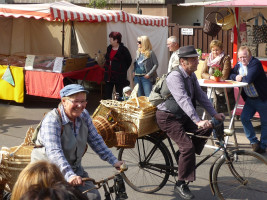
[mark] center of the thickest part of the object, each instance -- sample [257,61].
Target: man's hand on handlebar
[219,116]
[118,164]
[75,180]
[204,124]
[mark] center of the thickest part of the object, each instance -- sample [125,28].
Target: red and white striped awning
[37,11]
[67,11]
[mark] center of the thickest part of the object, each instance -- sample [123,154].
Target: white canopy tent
[37,29]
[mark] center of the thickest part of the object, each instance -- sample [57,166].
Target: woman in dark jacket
[118,61]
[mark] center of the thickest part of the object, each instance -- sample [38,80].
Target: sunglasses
[138,42]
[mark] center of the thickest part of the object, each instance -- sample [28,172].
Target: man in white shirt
[172,44]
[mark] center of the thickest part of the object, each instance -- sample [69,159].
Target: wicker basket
[101,110]
[14,160]
[211,28]
[143,117]
[126,138]
[105,129]
[228,21]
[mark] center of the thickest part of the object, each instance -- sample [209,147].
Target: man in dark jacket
[118,61]
[249,70]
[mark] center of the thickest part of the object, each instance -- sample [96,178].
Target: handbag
[212,28]
[259,34]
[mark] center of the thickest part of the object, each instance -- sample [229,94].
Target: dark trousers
[176,129]
[109,89]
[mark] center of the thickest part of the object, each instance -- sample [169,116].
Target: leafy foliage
[100,4]
[217,73]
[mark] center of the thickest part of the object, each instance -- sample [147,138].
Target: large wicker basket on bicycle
[13,160]
[138,111]
[136,115]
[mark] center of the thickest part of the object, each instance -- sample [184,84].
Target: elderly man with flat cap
[63,137]
[177,115]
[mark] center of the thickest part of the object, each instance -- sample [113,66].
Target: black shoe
[255,147]
[261,151]
[183,191]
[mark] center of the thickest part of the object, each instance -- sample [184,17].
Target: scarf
[215,62]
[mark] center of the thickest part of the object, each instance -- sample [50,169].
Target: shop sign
[187,31]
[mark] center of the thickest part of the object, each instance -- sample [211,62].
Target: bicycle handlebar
[123,168]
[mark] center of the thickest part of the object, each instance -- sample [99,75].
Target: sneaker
[255,147]
[183,191]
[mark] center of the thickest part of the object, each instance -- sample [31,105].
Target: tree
[100,4]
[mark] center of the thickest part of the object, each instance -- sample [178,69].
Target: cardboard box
[74,64]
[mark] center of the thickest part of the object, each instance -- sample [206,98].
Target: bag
[211,28]
[220,102]
[155,97]
[259,34]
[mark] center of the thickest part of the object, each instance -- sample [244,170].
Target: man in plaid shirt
[64,135]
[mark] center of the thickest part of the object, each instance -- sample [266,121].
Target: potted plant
[217,74]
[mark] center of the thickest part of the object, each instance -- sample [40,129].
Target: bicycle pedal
[217,143]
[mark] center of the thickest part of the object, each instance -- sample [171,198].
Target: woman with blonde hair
[42,173]
[145,66]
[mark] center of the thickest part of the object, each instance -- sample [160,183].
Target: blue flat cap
[72,89]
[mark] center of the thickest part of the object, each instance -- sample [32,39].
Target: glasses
[75,102]
[243,58]
[138,42]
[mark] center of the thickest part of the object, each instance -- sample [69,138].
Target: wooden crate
[73,64]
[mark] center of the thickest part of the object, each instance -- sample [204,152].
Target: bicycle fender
[210,175]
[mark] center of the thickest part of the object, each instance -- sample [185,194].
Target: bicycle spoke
[244,178]
[147,170]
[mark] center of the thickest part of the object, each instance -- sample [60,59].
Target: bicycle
[118,188]
[236,174]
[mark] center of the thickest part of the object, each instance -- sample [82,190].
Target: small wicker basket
[105,129]
[211,27]
[228,21]
[13,160]
[126,138]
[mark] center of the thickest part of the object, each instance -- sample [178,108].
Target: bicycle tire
[251,166]
[139,176]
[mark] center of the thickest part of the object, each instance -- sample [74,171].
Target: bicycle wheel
[245,180]
[149,165]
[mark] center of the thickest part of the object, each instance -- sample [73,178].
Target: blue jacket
[256,75]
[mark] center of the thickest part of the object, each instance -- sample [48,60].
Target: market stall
[250,30]
[52,29]
[248,14]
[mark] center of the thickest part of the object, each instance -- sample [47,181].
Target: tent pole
[236,36]
[63,37]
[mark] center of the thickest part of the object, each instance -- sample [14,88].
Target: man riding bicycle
[63,137]
[177,115]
